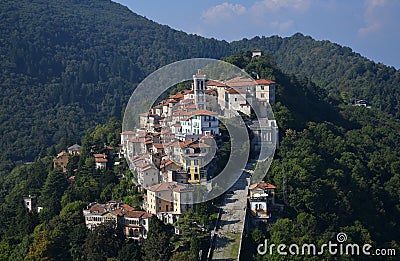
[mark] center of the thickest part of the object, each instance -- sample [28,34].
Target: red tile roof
[62,153]
[119,209]
[174,186]
[101,160]
[186,92]
[240,82]
[235,91]
[169,101]
[100,155]
[265,81]
[158,145]
[202,113]
[166,163]
[187,101]
[137,214]
[216,83]
[147,167]
[178,96]
[262,185]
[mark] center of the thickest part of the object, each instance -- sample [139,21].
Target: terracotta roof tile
[262,185]
[166,186]
[101,160]
[102,155]
[265,81]
[235,91]
[240,82]
[215,83]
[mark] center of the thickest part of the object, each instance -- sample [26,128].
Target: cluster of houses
[174,141]
[170,151]
[100,159]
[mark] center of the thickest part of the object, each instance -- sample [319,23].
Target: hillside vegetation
[69,65]
[345,74]
[66,66]
[337,168]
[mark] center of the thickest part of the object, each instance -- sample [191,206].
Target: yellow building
[193,166]
[168,200]
[61,161]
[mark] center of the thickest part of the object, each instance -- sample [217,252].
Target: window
[262,88]
[262,95]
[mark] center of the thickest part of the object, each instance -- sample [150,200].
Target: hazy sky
[369,27]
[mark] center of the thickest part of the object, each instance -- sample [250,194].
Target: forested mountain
[67,65]
[344,73]
[336,170]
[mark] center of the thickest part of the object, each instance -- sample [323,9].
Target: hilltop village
[170,151]
[175,148]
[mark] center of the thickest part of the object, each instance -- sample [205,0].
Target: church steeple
[199,88]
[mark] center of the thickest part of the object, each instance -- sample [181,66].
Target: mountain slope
[68,65]
[344,73]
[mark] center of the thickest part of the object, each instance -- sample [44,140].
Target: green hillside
[69,65]
[336,170]
[66,66]
[345,74]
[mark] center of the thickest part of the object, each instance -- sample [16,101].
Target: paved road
[231,224]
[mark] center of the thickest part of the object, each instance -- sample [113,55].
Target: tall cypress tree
[157,245]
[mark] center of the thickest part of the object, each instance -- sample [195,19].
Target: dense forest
[58,232]
[69,65]
[345,74]
[337,170]
[337,167]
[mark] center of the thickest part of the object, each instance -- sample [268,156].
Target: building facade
[61,161]
[168,200]
[262,198]
[135,224]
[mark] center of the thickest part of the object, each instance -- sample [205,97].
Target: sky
[368,27]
